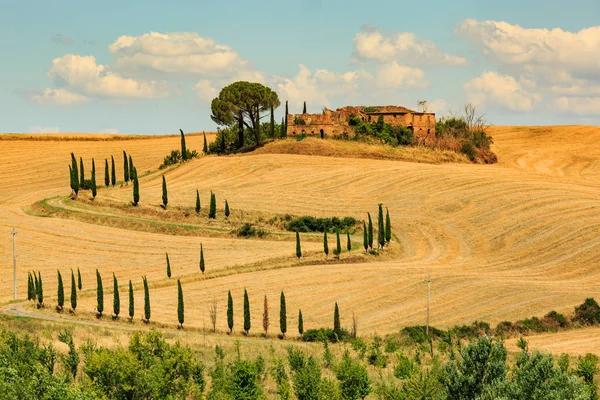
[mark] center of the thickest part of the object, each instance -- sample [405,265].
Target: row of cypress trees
[77,174]
[384,230]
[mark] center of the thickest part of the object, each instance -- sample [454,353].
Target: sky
[154,66]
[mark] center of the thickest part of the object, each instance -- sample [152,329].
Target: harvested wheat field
[503,242]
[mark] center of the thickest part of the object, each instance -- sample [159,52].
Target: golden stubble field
[502,242]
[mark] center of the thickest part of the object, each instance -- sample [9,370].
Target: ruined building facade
[333,123]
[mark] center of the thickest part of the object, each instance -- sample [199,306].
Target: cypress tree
[205,147]
[272,124]
[165,197]
[282,315]
[230,311]
[40,290]
[136,187]
[81,174]
[246,312]
[282,128]
[106,176]
[365,237]
[35,287]
[71,177]
[349,245]
[201,258]
[388,226]
[146,301]
[29,286]
[125,167]
[184,153]
[168,266]
[130,166]
[74,176]
[338,245]
[94,190]
[298,248]
[300,323]
[212,211]
[113,172]
[226,209]
[266,316]
[79,283]
[325,244]
[116,297]
[99,294]
[131,302]
[370,231]
[73,292]
[286,120]
[304,108]
[61,293]
[336,319]
[197,202]
[380,228]
[180,309]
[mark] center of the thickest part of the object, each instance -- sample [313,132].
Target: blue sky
[153,67]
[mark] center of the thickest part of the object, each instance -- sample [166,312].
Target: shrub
[175,158]
[311,224]
[468,149]
[588,312]
[376,356]
[416,334]
[325,334]
[248,230]
[353,377]
[556,318]
[405,367]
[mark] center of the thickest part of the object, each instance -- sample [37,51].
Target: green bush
[248,230]
[325,334]
[468,149]
[311,224]
[405,367]
[588,312]
[416,334]
[353,377]
[175,158]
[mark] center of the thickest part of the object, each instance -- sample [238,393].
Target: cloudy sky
[153,67]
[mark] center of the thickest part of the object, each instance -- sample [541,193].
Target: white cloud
[405,47]
[394,76]
[177,52]
[111,131]
[502,90]
[59,97]
[438,106]
[303,87]
[44,129]
[205,91]
[81,74]
[584,106]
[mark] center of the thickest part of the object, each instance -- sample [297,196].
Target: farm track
[503,241]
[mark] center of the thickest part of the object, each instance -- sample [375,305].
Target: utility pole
[429,280]
[14,235]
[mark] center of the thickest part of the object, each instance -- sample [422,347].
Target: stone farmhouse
[333,123]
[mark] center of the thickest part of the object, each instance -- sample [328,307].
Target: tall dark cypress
[131,302]
[197,201]
[246,312]
[146,301]
[99,294]
[79,283]
[325,244]
[81,173]
[106,176]
[349,244]
[370,231]
[30,294]
[113,171]
[130,166]
[94,189]
[388,226]
[272,125]
[180,309]
[205,147]
[266,316]
[36,285]
[212,210]
[286,120]
[336,319]
[282,128]
[71,178]
[298,248]
[282,314]
[365,237]
[75,177]
[226,209]
[380,228]
[136,187]
[168,265]
[304,108]
[165,196]
[40,290]
[338,244]
[116,297]
[300,323]
[61,293]
[125,167]
[230,311]
[201,258]
[184,153]
[73,292]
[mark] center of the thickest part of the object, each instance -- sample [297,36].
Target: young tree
[325,244]
[184,152]
[212,210]
[125,167]
[365,237]
[180,310]
[131,302]
[266,316]
[226,209]
[298,248]
[230,311]
[73,292]
[338,244]
[380,228]
[99,294]
[272,124]
[136,187]
[116,297]
[304,108]
[349,244]
[354,380]
[246,312]
[336,318]
[300,323]
[282,315]
[74,175]
[113,171]
[201,259]
[79,283]
[168,265]
[130,166]
[61,293]
[94,189]
[197,202]
[40,291]
[81,173]
[106,176]
[146,301]
[165,196]
[370,231]
[205,147]
[388,226]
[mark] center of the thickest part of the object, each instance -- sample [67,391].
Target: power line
[428,280]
